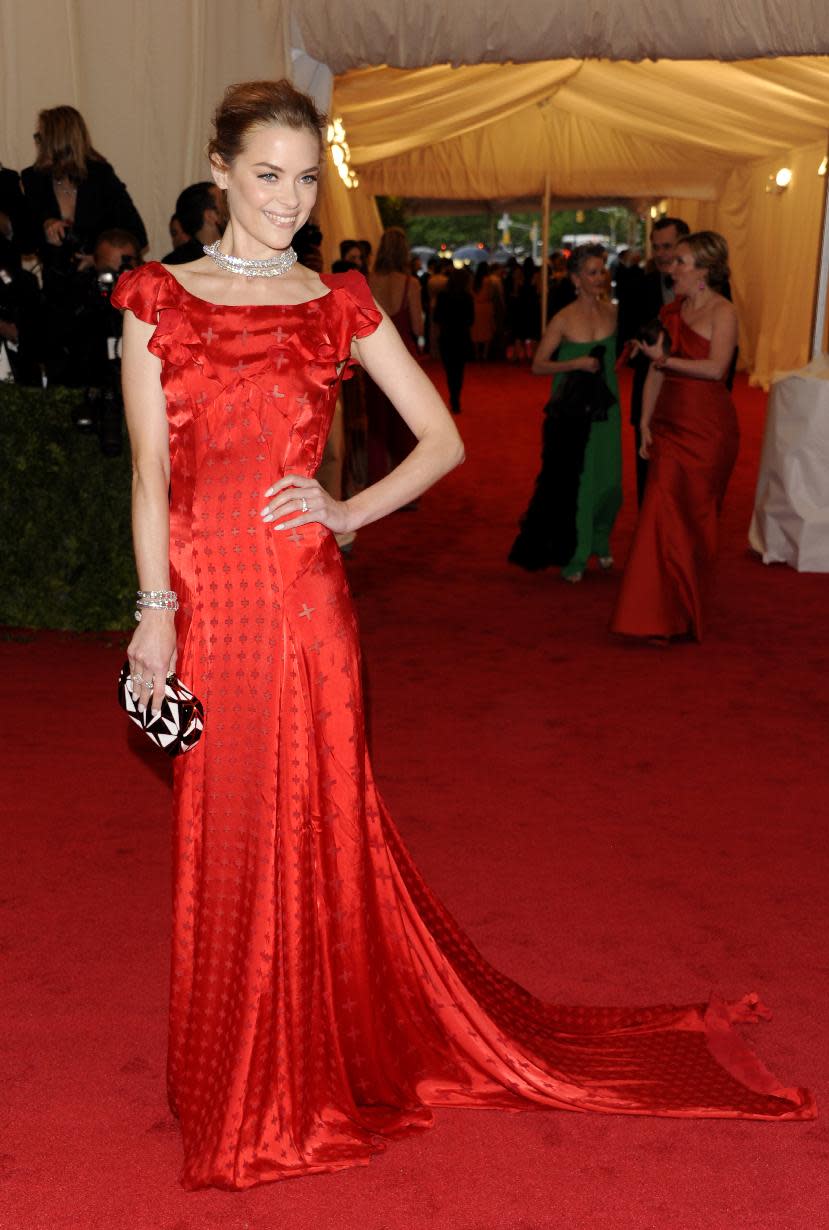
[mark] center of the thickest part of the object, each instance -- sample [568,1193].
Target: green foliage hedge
[65,525]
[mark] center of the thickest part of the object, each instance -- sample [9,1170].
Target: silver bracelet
[155,600]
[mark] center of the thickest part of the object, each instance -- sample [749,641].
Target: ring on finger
[304,504]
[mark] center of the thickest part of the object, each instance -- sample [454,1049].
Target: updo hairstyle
[710,254]
[579,257]
[258,104]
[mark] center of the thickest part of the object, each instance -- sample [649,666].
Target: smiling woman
[242,152]
[321,998]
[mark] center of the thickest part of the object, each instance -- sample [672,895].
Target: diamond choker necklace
[272,267]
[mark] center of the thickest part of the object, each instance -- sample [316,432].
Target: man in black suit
[655,290]
[201,211]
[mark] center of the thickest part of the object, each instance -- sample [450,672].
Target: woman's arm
[543,365]
[151,651]
[439,448]
[653,383]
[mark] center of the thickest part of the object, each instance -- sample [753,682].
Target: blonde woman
[72,192]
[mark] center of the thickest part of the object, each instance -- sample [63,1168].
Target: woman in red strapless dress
[322,999]
[690,434]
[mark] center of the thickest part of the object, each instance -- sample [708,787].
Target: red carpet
[612,823]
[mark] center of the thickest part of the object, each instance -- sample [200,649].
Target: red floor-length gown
[322,998]
[695,443]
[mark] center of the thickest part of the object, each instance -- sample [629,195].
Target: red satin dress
[322,998]
[695,443]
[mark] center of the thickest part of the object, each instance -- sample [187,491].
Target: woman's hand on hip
[296,500]
[152,657]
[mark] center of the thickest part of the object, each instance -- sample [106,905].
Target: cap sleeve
[365,315]
[137,291]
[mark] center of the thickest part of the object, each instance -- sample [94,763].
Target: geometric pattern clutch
[177,726]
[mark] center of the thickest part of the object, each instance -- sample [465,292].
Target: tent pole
[822,289]
[545,246]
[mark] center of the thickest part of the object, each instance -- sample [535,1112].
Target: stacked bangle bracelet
[156,600]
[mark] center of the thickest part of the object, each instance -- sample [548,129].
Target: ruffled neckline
[241,307]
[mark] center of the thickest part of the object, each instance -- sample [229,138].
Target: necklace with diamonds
[272,267]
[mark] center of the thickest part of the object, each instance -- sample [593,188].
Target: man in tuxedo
[655,290]
[200,210]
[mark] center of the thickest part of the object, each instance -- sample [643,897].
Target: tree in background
[453,230]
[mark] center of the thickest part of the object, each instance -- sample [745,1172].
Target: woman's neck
[700,298]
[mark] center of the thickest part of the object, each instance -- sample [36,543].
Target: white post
[545,247]
[822,290]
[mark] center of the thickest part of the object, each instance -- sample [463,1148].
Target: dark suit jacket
[647,305]
[102,203]
[190,251]
[13,203]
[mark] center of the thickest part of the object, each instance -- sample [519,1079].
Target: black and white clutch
[177,726]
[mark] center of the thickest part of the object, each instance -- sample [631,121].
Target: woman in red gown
[322,999]
[690,434]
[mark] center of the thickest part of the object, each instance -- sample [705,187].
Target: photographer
[92,358]
[19,319]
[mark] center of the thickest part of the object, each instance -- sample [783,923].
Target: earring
[701,286]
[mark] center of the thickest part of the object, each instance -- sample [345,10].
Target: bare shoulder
[566,316]
[723,307]
[190,272]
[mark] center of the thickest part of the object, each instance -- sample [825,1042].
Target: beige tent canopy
[703,137]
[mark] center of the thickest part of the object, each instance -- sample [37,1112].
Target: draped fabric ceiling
[602,129]
[703,136]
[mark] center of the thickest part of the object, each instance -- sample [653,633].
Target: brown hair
[393,253]
[63,143]
[579,257]
[256,104]
[710,253]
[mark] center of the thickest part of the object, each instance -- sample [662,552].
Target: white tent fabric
[349,34]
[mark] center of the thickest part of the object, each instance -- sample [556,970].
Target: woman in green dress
[579,489]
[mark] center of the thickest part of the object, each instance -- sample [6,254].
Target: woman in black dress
[73,194]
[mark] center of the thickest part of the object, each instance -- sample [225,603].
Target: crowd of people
[678,330]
